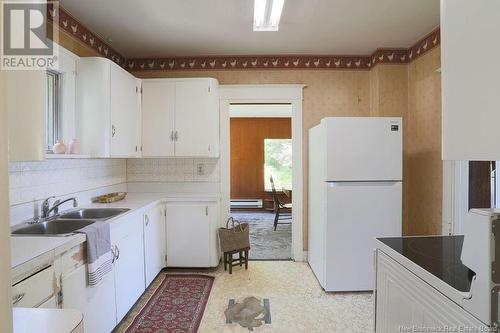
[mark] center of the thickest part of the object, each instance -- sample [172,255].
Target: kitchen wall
[408,90]
[31,181]
[413,92]
[424,170]
[173,170]
[328,93]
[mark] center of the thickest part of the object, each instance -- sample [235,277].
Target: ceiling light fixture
[267,14]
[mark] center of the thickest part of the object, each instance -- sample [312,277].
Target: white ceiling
[224,27]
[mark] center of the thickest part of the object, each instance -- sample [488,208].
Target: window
[53,118]
[278,163]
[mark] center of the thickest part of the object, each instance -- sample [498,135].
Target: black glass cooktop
[438,255]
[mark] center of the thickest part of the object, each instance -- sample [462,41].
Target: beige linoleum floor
[298,304]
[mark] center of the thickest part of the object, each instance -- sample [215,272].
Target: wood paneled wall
[247,153]
[480,184]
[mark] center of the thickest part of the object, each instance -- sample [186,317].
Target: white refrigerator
[355,195]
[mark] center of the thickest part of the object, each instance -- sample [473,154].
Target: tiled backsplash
[173,170]
[31,181]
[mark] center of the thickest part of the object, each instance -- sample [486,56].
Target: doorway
[266,94]
[261,176]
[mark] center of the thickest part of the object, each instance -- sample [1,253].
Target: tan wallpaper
[424,177]
[328,93]
[411,91]
[414,92]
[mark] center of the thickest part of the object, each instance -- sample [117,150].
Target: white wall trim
[455,196]
[266,93]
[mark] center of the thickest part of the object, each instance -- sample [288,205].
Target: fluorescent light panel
[267,14]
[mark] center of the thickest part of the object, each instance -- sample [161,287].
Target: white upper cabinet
[197,118]
[108,109]
[470,71]
[180,117]
[25,102]
[158,107]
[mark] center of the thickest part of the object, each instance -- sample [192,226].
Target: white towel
[99,255]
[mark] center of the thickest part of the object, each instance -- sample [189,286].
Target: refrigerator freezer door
[364,148]
[356,214]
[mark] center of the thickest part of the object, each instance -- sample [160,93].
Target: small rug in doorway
[176,306]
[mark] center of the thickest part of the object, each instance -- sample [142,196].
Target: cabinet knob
[17,298]
[113,130]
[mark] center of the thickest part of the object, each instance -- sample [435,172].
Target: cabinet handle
[146,219]
[117,252]
[113,130]
[172,136]
[17,298]
[113,252]
[206,210]
[176,136]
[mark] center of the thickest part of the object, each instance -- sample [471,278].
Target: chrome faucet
[46,210]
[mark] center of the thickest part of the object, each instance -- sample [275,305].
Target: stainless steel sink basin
[94,213]
[58,227]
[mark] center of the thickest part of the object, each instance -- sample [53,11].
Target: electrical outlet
[200,169]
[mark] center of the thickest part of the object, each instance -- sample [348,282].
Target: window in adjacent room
[278,163]
[53,114]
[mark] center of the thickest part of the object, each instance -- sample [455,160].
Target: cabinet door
[188,234]
[124,113]
[469,75]
[97,303]
[127,240]
[154,242]
[196,118]
[25,103]
[158,104]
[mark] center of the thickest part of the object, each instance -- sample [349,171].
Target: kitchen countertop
[28,320]
[26,248]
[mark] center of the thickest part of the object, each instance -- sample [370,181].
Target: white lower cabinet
[96,303]
[404,300]
[191,234]
[154,242]
[127,243]
[140,241]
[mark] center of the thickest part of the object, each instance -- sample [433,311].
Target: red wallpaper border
[72,26]
[289,62]
[77,30]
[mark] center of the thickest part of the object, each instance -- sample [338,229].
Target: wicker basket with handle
[235,237]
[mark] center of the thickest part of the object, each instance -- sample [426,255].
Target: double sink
[68,222]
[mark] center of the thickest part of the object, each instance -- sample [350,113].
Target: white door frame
[266,93]
[455,196]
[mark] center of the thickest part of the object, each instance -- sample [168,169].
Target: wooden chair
[282,211]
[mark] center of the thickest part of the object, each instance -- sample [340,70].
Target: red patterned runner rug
[176,306]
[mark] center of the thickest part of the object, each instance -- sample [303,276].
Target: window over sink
[53,109]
